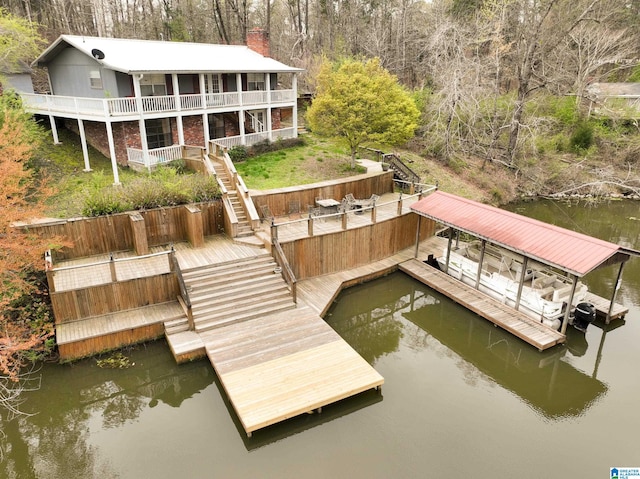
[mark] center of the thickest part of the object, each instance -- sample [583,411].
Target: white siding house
[131,98]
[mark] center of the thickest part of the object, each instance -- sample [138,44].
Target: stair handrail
[287,272]
[184,292]
[396,163]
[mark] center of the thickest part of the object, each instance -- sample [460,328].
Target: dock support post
[525,262]
[574,278]
[112,268]
[415,253]
[344,220]
[446,264]
[310,226]
[480,260]
[615,293]
[400,204]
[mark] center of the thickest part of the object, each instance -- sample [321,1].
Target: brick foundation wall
[193,130]
[275,119]
[125,134]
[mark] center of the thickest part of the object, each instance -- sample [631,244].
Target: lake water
[461,398]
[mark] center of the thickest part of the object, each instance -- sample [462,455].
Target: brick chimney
[258,41]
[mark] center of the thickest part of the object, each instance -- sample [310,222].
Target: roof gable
[567,250]
[145,56]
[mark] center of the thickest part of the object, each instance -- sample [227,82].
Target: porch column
[83,142]
[574,278]
[112,153]
[243,140]
[267,85]
[205,116]
[54,130]
[294,87]
[141,126]
[615,293]
[176,99]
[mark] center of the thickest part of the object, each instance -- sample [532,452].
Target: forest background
[498,82]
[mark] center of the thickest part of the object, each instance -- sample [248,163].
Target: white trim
[83,142]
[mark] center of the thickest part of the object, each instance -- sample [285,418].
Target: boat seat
[545,293]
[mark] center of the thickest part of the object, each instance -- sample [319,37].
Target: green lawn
[319,159]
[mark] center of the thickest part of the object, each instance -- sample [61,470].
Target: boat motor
[583,316]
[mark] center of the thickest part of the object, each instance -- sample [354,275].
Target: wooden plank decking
[516,322]
[279,366]
[602,307]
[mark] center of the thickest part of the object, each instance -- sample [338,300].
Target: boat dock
[516,322]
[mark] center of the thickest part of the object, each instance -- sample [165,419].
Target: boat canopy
[567,250]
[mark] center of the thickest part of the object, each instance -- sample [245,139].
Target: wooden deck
[516,322]
[283,365]
[296,226]
[602,308]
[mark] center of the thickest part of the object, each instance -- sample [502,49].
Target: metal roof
[147,56]
[567,250]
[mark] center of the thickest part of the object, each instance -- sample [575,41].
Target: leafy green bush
[582,137]
[635,74]
[164,188]
[238,153]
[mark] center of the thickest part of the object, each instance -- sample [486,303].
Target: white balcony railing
[117,107]
[253,138]
[157,156]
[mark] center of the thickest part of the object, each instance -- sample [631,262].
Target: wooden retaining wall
[363,186]
[107,298]
[122,231]
[323,254]
[106,342]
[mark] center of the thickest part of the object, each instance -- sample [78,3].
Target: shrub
[238,153]
[582,137]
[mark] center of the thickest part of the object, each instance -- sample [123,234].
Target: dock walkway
[516,322]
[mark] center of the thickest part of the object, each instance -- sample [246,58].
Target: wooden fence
[134,230]
[281,200]
[318,255]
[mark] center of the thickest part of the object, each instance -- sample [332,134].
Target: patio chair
[266,213]
[294,209]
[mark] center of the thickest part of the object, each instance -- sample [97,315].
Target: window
[95,80]
[212,83]
[158,133]
[216,126]
[255,81]
[153,85]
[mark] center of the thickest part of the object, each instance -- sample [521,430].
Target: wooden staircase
[244,225]
[232,292]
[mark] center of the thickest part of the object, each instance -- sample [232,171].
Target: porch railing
[114,107]
[253,138]
[156,156]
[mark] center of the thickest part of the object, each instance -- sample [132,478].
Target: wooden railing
[111,262]
[287,272]
[184,292]
[344,215]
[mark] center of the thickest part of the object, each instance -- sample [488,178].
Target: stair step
[227,276]
[205,325]
[176,326]
[227,266]
[218,309]
[264,285]
[231,283]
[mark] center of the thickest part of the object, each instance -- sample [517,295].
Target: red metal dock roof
[567,250]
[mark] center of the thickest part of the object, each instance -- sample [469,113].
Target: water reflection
[544,380]
[54,442]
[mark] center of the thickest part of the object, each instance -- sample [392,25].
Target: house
[619,100]
[16,77]
[136,101]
